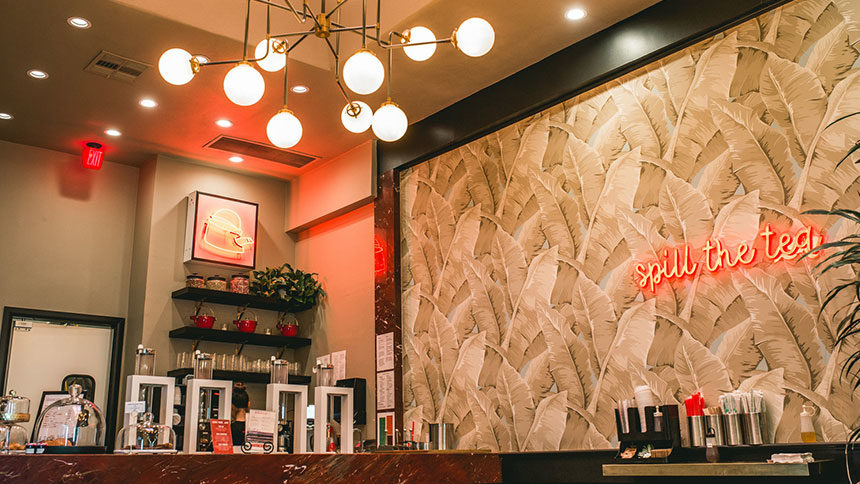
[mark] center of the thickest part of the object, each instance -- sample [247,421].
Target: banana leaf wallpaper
[523,323]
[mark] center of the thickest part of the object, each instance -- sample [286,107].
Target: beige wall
[110,242]
[341,251]
[67,232]
[332,188]
[171,181]
[523,321]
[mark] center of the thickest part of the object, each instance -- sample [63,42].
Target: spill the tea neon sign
[680,262]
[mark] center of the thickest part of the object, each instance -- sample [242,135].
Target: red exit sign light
[93,156]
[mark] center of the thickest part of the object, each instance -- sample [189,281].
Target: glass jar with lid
[14,408]
[195,280]
[144,361]
[146,437]
[240,284]
[73,421]
[216,283]
[13,438]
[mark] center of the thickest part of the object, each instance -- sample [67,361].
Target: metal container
[14,408]
[732,429]
[715,423]
[752,428]
[442,436]
[696,424]
[144,361]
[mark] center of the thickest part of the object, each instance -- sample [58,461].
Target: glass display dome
[71,422]
[146,436]
[13,439]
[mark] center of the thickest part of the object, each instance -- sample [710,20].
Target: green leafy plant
[300,289]
[847,253]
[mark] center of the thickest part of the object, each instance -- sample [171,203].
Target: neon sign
[679,262]
[223,234]
[221,230]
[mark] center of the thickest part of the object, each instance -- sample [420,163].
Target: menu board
[385,390]
[222,439]
[385,352]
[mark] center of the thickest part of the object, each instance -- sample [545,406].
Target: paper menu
[385,390]
[55,425]
[260,427]
[338,360]
[222,439]
[385,351]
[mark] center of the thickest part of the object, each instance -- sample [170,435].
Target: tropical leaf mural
[523,324]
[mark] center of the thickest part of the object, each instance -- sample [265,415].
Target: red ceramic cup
[288,329]
[202,321]
[246,325]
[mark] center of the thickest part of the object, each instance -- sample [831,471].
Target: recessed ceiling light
[575,14]
[6,116]
[236,159]
[148,103]
[112,132]
[79,22]
[299,89]
[224,123]
[202,59]
[37,74]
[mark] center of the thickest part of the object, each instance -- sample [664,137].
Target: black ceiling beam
[655,32]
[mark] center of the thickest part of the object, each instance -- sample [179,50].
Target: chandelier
[363,72]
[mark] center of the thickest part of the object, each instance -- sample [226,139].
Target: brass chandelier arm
[289,7]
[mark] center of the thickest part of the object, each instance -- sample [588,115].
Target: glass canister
[13,438]
[72,421]
[240,284]
[195,280]
[216,283]
[203,366]
[146,437]
[144,361]
[325,374]
[14,408]
[280,371]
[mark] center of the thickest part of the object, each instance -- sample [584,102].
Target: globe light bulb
[174,65]
[273,61]
[420,52]
[363,72]
[244,85]
[356,122]
[284,129]
[474,37]
[389,122]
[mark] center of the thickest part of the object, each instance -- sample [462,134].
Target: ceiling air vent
[114,66]
[260,150]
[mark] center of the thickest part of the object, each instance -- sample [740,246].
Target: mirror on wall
[43,352]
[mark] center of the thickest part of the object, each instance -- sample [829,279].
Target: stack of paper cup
[644,398]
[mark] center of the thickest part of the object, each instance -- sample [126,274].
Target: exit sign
[93,156]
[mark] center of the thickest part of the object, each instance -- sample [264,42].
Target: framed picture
[221,230]
[48,397]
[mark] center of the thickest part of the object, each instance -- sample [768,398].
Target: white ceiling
[72,107]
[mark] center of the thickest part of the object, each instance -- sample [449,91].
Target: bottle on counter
[807,430]
[331,444]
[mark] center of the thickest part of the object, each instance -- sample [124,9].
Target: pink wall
[332,189]
[341,251]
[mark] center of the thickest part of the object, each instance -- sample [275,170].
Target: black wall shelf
[234,299]
[242,376]
[237,337]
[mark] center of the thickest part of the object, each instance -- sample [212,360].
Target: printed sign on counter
[260,429]
[385,352]
[222,439]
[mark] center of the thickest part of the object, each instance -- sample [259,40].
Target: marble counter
[238,469]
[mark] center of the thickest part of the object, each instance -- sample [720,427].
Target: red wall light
[93,156]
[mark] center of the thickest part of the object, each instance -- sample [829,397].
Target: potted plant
[847,253]
[302,290]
